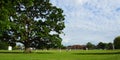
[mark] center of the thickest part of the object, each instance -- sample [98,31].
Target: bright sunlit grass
[61,55]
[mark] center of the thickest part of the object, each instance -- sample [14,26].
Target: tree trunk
[28,50]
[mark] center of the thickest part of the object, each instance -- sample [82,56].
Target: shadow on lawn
[44,52]
[109,53]
[25,53]
[12,52]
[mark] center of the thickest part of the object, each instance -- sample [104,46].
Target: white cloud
[90,20]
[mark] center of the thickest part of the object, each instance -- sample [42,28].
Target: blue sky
[90,20]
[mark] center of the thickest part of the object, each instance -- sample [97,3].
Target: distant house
[82,47]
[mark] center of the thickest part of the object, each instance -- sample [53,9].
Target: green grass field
[63,55]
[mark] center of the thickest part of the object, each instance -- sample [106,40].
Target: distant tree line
[90,46]
[100,45]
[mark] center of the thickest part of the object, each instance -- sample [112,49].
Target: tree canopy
[89,45]
[101,45]
[117,42]
[31,22]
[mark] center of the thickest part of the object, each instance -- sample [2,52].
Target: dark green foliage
[110,46]
[101,45]
[117,42]
[3,45]
[89,45]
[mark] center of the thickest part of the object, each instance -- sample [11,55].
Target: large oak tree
[34,23]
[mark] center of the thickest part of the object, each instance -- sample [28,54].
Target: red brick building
[76,47]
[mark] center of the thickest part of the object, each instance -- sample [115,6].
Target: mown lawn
[63,55]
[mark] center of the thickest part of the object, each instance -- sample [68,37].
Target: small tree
[89,45]
[101,45]
[109,46]
[117,42]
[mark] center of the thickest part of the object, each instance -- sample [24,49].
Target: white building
[9,48]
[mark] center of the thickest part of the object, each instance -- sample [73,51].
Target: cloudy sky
[90,20]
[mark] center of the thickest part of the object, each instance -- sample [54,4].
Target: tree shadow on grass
[11,52]
[25,53]
[109,53]
[44,52]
